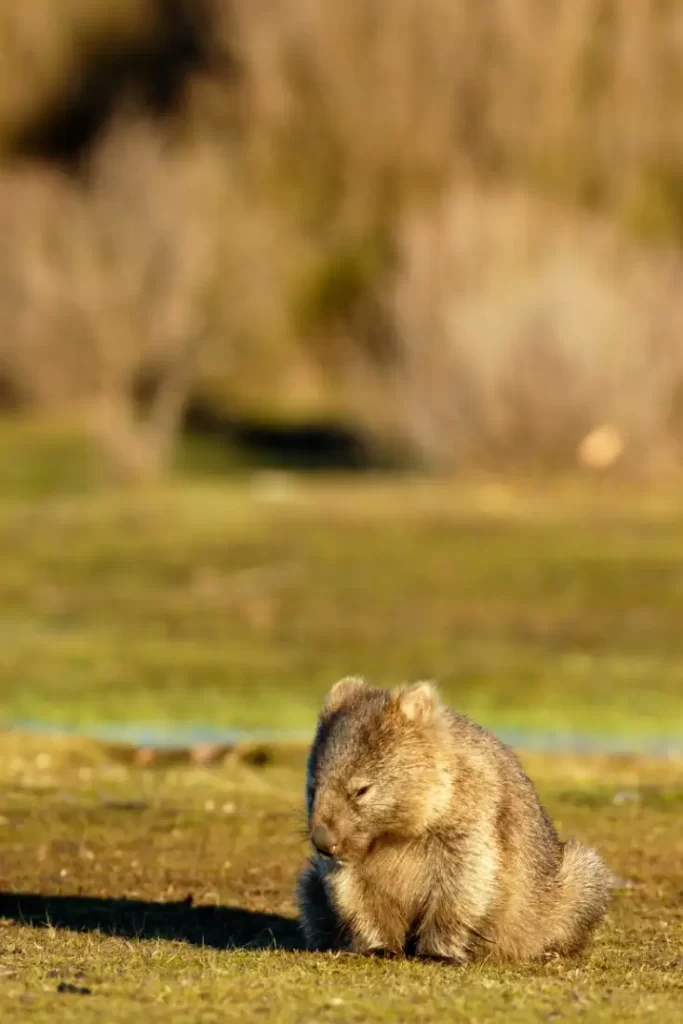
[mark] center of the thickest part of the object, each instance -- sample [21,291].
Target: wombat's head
[376,768]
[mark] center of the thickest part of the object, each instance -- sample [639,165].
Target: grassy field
[168,893]
[238,603]
[165,886]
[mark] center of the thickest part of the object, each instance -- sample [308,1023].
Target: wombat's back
[551,894]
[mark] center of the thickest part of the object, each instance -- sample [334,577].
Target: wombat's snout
[323,840]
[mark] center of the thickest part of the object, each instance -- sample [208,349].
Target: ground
[164,885]
[239,603]
[168,892]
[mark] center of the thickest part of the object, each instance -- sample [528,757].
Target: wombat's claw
[380,953]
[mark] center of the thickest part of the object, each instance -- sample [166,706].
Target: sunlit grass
[170,892]
[236,604]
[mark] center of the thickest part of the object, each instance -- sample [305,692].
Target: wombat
[430,840]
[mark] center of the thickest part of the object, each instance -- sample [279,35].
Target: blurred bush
[455,225]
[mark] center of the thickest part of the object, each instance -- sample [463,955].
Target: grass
[165,886]
[169,892]
[237,603]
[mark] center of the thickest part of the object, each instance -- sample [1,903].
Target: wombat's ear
[344,691]
[417,702]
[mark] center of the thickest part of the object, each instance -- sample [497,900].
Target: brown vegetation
[457,223]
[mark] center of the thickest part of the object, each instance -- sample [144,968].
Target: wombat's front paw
[438,958]
[444,949]
[380,952]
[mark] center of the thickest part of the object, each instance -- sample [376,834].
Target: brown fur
[449,853]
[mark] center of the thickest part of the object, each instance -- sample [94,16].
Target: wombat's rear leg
[321,925]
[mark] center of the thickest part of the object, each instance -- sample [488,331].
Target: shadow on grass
[215,927]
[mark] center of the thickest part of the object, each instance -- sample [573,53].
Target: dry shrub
[353,99]
[371,103]
[520,329]
[155,278]
[42,43]
[369,195]
[498,326]
[104,283]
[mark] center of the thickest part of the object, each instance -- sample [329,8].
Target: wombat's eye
[362,790]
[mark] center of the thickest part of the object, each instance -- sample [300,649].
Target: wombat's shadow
[221,927]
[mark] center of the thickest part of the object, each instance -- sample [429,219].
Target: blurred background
[336,338]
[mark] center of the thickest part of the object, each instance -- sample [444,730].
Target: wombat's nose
[323,840]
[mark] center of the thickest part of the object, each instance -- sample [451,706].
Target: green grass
[168,893]
[239,602]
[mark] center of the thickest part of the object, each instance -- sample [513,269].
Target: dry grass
[171,891]
[143,282]
[375,234]
[384,95]
[521,329]
[103,283]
